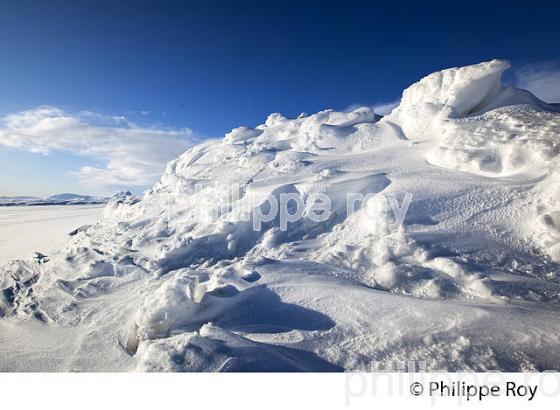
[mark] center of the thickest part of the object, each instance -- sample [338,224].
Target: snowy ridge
[469,280]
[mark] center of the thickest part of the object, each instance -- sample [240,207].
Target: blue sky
[181,71]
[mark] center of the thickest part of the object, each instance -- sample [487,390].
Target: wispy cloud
[380,108]
[542,79]
[134,156]
[385,108]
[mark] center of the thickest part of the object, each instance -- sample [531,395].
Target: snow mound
[454,92]
[477,124]
[449,254]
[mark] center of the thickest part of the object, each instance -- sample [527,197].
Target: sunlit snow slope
[469,281]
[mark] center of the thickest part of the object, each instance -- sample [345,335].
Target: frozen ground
[25,230]
[182,281]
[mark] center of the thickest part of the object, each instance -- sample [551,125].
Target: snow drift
[468,281]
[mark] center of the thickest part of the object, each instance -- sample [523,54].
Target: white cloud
[134,156]
[542,79]
[385,108]
[380,108]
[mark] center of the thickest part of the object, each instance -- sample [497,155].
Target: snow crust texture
[468,281]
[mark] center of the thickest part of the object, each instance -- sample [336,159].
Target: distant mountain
[18,198]
[71,197]
[58,199]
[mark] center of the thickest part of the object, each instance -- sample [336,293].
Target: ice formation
[469,281]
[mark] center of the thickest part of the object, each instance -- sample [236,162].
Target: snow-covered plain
[25,230]
[469,281]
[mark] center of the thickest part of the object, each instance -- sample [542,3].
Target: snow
[181,280]
[25,230]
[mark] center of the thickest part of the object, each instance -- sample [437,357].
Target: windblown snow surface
[25,230]
[469,281]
